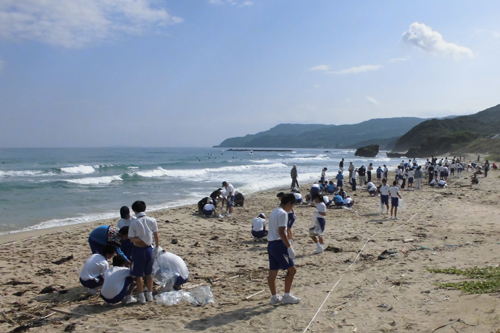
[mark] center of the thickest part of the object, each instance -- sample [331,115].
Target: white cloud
[359,69]
[492,33]
[320,68]
[372,100]
[431,41]
[231,2]
[246,3]
[397,59]
[78,23]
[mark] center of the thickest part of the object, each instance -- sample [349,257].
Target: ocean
[49,187]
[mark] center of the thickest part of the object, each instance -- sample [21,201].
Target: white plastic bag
[163,274]
[199,296]
[401,204]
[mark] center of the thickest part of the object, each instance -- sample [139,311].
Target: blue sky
[91,73]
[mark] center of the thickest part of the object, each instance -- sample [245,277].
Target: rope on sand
[356,259]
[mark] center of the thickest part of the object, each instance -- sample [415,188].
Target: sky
[191,73]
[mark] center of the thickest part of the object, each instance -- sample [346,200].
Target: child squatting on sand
[280,251]
[92,273]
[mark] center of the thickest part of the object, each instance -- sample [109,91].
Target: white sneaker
[396,218]
[319,250]
[93,291]
[149,297]
[129,299]
[290,299]
[229,215]
[275,300]
[142,299]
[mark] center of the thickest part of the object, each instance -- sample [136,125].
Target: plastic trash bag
[199,296]
[163,275]
[401,204]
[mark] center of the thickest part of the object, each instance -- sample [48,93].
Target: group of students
[226,194]
[133,246]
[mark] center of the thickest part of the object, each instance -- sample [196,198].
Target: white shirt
[143,227]
[326,199]
[297,196]
[124,222]
[393,191]
[229,190]
[370,185]
[176,264]
[354,175]
[209,207]
[441,183]
[258,224]
[323,173]
[96,265]
[347,200]
[385,169]
[277,219]
[114,281]
[384,189]
[410,173]
[320,208]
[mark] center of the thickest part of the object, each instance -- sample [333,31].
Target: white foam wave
[21,173]
[265,160]
[94,180]
[80,169]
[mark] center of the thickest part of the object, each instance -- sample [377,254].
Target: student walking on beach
[294,175]
[351,169]
[395,196]
[229,197]
[280,251]
[340,179]
[354,178]
[418,178]
[142,232]
[369,172]
[486,168]
[318,223]
[341,166]
[384,196]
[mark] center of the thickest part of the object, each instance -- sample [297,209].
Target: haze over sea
[49,187]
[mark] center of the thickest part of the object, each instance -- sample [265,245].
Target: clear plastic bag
[401,204]
[163,275]
[315,230]
[199,296]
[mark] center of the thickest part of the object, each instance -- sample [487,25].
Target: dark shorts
[395,202]
[259,234]
[291,220]
[121,295]
[410,180]
[142,261]
[92,283]
[278,256]
[384,199]
[313,191]
[322,223]
[180,281]
[340,183]
[208,212]
[339,203]
[230,201]
[299,201]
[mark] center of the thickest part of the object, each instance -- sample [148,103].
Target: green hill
[436,136]
[383,132]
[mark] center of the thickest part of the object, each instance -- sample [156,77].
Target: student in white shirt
[118,281]
[125,217]
[209,209]
[395,196]
[92,273]
[280,251]
[259,227]
[229,196]
[318,223]
[372,189]
[411,175]
[175,264]
[142,231]
[384,195]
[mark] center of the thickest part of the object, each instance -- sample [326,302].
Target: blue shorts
[384,199]
[121,295]
[322,223]
[208,212]
[410,180]
[230,201]
[291,220]
[92,283]
[259,234]
[322,179]
[452,170]
[313,191]
[180,281]
[395,202]
[340,183]
[299,201]
[339,203]
[142,261]
[278,256]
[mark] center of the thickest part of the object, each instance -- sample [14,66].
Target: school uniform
[92,273]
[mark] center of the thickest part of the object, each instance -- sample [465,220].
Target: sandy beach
[457,225]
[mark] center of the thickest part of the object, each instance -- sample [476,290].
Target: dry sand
[396,294]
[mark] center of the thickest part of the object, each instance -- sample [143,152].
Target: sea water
[49,187]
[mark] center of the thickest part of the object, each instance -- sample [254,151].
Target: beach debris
[197,244]
[255,294]
[44,271]
[174,241]
[199,296]
[451,323]
[385,306]
[451,245]
[388,254]
[15,282]
[333,249]
[214,238]
[408,240]
[70,327]
[20,293]
[48,290]
[63,260]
